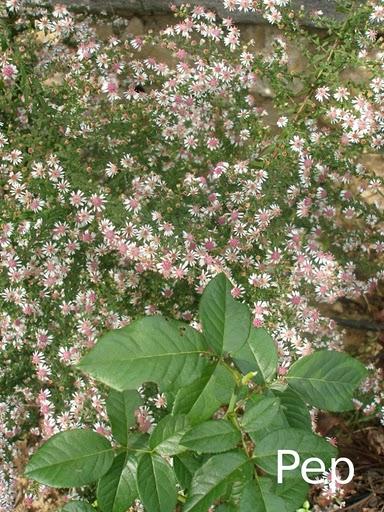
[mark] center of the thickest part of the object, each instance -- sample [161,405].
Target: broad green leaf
[150,349]
[204,396]
[305,443]
[213,436]
[211,480]
[260,412]
[117,489]
[165,438]
[327,379]
[236,491]
[258,354]
[185,466]
[138,441]
[258,496]
[71,459]
[226,322]
[156,483]
[121,407]
[226,507]
[293,491]
[77,506]
[265,495]
[294,410]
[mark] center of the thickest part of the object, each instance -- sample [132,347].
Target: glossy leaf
[327,379]
[211,480]
[213,436]
[117,489]
[121,407]
[71,459]
[156,484]
[305,443]
[165,438]
[226,322]
[258,354]
[150,349]
[204,396]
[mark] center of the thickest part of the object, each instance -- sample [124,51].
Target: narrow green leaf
[259,412]
[305,443]
[150,349]
[213,436]
[71,459]
[77,506]
[327,379]
[156,483]
[211,480]
[226,322]
[204,396]
[117,489]
[185,466]
[165,438]
[121,407]
[259,354]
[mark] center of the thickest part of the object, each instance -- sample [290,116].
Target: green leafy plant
[228,414]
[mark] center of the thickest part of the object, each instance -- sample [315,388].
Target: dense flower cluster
[128,182]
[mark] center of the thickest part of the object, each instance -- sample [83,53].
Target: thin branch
[360,324]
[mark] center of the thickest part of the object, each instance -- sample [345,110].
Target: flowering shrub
[212,459]
[128,182]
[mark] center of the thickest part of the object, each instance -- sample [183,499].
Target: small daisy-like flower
[322,94]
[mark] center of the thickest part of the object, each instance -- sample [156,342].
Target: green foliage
[71,459]
[77,506]
[223,429]
[150,349]
[326,379]
[121,408]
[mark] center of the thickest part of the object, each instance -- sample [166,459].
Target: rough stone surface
[141,7]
